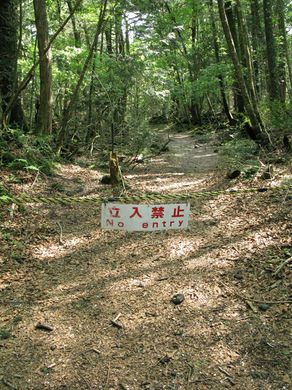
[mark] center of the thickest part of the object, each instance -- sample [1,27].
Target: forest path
[107,294]
[189,155]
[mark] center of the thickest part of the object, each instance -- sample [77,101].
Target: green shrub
[20,151]
[240,154]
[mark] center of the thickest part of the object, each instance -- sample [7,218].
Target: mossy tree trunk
[256,130]
[273,76]
[8,65]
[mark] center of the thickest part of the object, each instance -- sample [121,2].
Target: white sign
[142,217]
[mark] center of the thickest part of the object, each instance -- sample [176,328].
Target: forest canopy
[86,74]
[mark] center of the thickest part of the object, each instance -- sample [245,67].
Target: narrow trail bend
[61,269]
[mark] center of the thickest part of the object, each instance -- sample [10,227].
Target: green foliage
[278,117]
[26,152]
[167,67]
[240,154]
[4,334]
[207,81]
[4,192]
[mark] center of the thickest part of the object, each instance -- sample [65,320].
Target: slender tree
[257,41]
[62,137]
[217,58]
[273,76]
[284,57]
[256,130]
[231,18]
[76,32]
[44,112]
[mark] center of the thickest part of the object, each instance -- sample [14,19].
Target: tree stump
[115,170]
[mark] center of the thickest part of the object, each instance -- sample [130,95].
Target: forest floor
[85,308]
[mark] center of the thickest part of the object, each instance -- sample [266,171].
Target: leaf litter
[204,308]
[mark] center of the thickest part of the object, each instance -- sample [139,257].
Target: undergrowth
[241,154]
[19,151]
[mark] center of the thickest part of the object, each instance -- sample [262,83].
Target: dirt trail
[188,155]
[59,269]
[185,155]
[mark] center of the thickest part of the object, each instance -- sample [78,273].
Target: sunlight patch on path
[180,248]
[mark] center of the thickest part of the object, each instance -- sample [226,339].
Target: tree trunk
[127,37]
[109,38]
[283,50]
[91,127]
[12,115]
[76,33]
[44,114]
[246,51]
[256,131]
[257,40]
[230,14]
[273,77]
[217,57]
[194,106]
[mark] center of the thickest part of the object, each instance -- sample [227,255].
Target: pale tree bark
[127,36]
[44,114]
[256,130]
[217,57]
[230,14]
[284,56]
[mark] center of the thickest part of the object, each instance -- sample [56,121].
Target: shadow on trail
[213,340]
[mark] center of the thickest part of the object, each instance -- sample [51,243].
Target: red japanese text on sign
[136,212]
[157,212]
[178,212]
[142,217]
[115,212]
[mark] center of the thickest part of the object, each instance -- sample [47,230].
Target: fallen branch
[247,299]
[282,265]
[35,179]
[8,384]
[44,327]
[115,322]
[224,372]
[95,350]
[61,233]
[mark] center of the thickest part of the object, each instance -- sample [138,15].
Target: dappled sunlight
[153,176]
[108,295]
[205,155]
[207,262]
[65,247]
[222,353]
[177,186]
[180,247]
[55,250]
[180,155]
[11,277]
